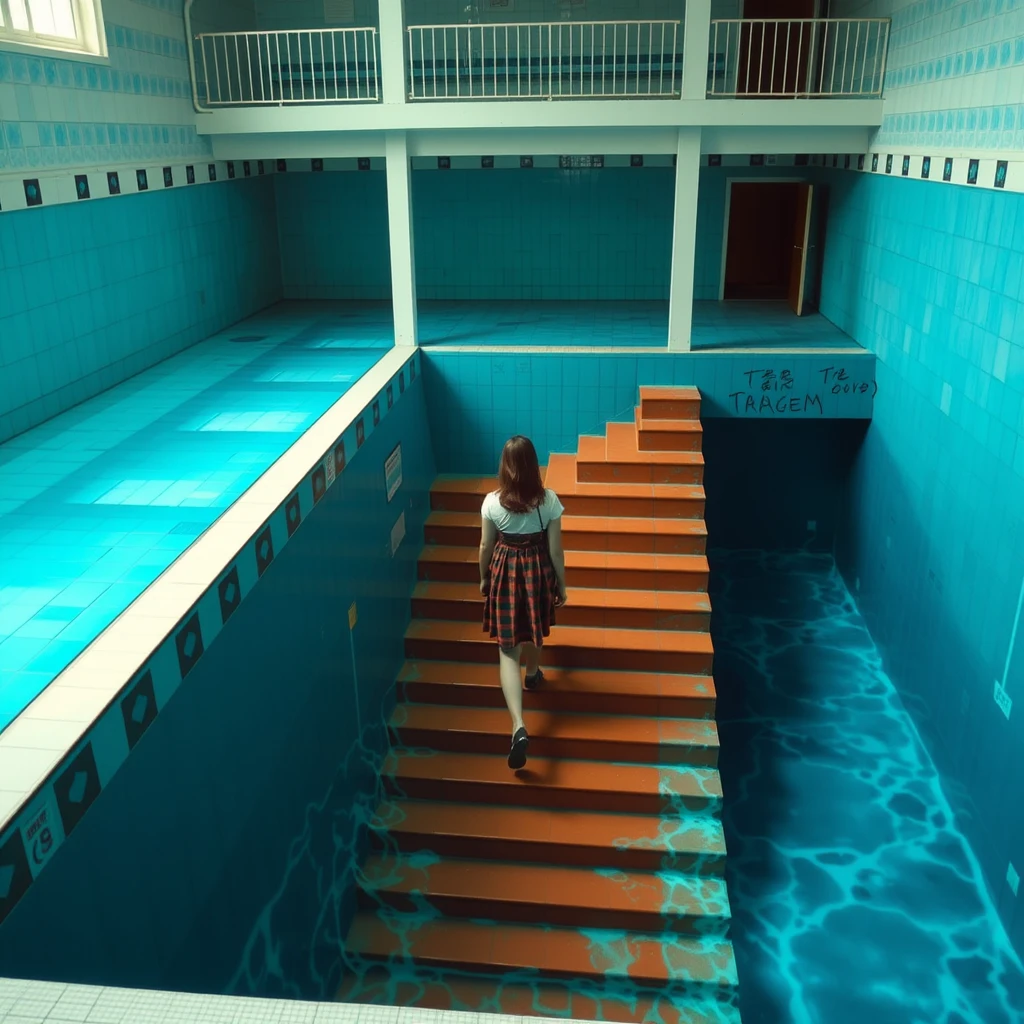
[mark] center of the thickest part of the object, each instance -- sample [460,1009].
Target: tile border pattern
[20,190]
[983,169]
[51,805]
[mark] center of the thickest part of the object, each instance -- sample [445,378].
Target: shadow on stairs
[589,884]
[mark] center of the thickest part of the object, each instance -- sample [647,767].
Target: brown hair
[520,487]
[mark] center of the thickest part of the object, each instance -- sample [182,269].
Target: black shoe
[532,682]
[517,755]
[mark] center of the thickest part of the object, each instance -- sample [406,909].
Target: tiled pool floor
[97,502]
[855,897]
[622,325]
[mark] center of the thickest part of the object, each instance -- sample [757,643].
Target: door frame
[728,206]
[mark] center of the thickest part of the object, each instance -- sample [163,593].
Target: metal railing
[556,60]
[797,59]
[336,65]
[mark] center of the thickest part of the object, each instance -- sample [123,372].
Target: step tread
[583,559]
[592,524]
[679,641]
[670,393]
[621,446]
[671,894]
[699,834]
[559,725]
[561,774]
[560,951]
[566,680]
[647,424]
[582,597]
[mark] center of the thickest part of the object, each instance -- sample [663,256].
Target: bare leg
[511,683]
[531,658]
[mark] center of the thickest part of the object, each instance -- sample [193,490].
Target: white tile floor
[37,1002]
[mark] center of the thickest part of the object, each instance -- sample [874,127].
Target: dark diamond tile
[77,787]
[230,593]
[138,709]
[292,514]
[264,551]
[15,876]
[189,643]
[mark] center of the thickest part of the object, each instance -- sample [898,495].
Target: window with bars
[73,25]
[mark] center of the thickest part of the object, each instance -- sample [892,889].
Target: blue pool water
[855,897]
[96,503]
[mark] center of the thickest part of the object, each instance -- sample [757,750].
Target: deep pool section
[855,898]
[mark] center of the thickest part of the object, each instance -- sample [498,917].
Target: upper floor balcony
[277,68]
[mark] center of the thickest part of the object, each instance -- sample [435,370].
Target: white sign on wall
[393,471]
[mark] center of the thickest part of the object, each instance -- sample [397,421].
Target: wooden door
[801,239]
[773,59]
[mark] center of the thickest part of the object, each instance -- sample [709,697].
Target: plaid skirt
[520,602]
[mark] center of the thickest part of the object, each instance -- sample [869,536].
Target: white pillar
[392,50]
[696,45]
[400,234]
[684,239]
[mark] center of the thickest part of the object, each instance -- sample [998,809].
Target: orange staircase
[589,884]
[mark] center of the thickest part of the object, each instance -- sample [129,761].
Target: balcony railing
[557,60]
[798,59]
[286,67]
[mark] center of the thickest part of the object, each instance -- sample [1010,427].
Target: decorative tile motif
[526,162]
[444,163]
[972,172]
[33,193]
[888,164]
[282,166]
[231,168]
[82,186]
[874,161]
[189,644]
[260,169]
[246,169]
[264,548]
[947,169]
[168,177]
[926,167]
[212,169]
[229,593]
[401,383]
[636,160]
[142,179]
[390,396]
[757,160]
[487,163]
[363,163]
[15,876]
[1000,178]
[339,454]
[319,484]
[906,166]
[376,412]
[190,175]
[360,433]
[293,514]
[113,183]
[139,709]
[76,788]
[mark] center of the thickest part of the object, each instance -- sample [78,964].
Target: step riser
[523,912]
[377,986]
[635,975]
[465,791]
[596,618]
[612,579]
[558,749]
[626,543]
[484,652]
[591,505]
[480,848]
[637,473]
[549,700]
[670,408]
[668,441]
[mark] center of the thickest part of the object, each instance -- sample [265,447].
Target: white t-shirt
[521,522]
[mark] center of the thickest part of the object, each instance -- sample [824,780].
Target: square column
[400,235]
[684,240]
[696,49]
[391,15]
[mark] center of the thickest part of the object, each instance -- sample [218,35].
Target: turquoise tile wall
[333,230]
[932,281]
[240,814]
[954,74]
[57,111]
[92,293]
[543,233]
